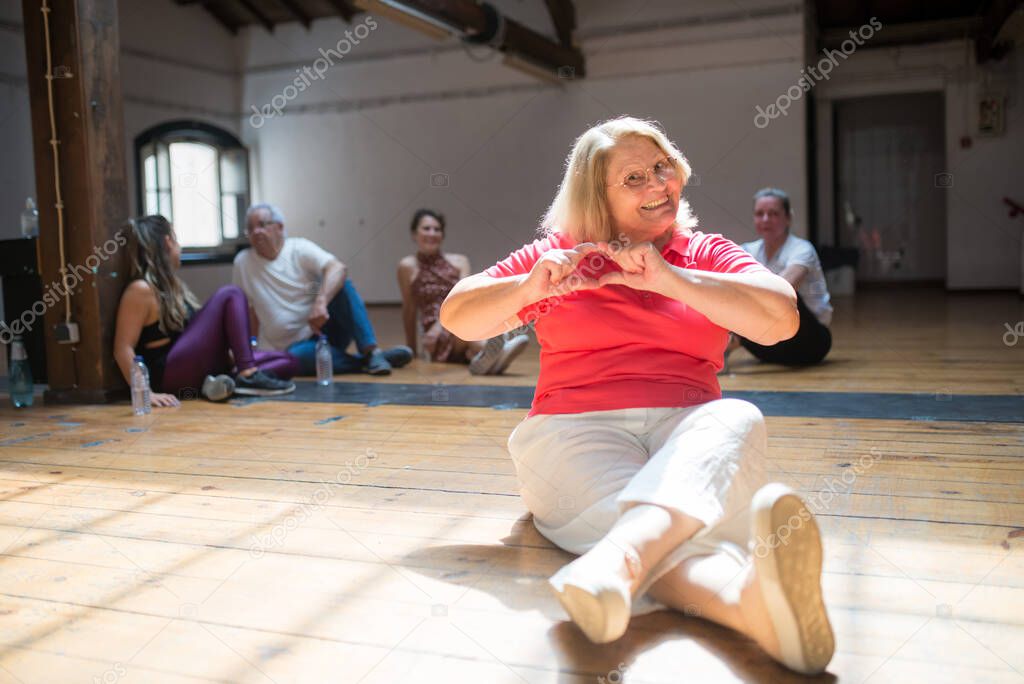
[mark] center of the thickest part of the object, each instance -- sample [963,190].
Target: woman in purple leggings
[189,350]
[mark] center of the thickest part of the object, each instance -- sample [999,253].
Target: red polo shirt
[615,347]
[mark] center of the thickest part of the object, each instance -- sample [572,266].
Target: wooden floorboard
[292,542]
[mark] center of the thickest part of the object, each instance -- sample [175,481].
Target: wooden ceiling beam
[224,20]
[482,23]
[563,16]
[344,9]
[297,12]
[907,33]
[985,45]
[257,14]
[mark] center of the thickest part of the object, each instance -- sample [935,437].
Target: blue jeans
[348,321]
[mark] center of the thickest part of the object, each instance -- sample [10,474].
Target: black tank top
[155,358]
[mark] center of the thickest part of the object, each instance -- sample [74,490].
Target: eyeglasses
[637,178]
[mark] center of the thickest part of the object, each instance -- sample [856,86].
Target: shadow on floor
[525,554]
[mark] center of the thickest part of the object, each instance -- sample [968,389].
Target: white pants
[578,472]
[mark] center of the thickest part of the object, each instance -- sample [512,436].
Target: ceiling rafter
[257,14]
[985,45]
[296,11]
[481,22]
[563,15]
[344,8]
[472,21]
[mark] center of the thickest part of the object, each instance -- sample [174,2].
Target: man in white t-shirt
[297,291]
[796,260]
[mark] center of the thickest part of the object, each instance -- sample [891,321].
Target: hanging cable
[54,142]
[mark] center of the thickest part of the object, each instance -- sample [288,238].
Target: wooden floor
[293,542]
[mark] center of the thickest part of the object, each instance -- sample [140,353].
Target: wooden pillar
[84,46]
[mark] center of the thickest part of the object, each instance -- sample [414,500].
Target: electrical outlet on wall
[66,333]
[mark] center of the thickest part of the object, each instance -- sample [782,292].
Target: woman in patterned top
[425,279]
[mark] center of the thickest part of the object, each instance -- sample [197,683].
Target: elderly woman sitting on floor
[629,454]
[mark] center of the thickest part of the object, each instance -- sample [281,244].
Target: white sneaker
[788,559]
[599,602]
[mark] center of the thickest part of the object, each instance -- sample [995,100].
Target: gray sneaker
[218,387]
[262,384]
[487,358]
[509,351]
[377,363]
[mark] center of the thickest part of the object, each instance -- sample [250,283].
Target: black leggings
[810,345]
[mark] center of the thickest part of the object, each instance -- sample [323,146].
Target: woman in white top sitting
[796,260]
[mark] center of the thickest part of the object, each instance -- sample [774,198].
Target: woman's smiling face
[648,210]
[428,235]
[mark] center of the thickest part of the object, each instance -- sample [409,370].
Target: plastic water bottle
[324,362]
[140,387]
[30,219]
[19,378]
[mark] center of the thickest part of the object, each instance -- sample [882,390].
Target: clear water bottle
[324,362]
[30,219]
[140,387]
[19,379]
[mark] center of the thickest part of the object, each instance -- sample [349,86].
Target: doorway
[890,184]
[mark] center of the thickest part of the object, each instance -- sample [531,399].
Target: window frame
[187,130]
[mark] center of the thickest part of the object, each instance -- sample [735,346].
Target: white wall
[351,157]
[983,243]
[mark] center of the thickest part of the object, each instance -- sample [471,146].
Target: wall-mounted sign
[991,114]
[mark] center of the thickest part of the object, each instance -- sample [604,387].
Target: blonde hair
[580,208]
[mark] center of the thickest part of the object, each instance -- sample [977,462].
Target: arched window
[197,176]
